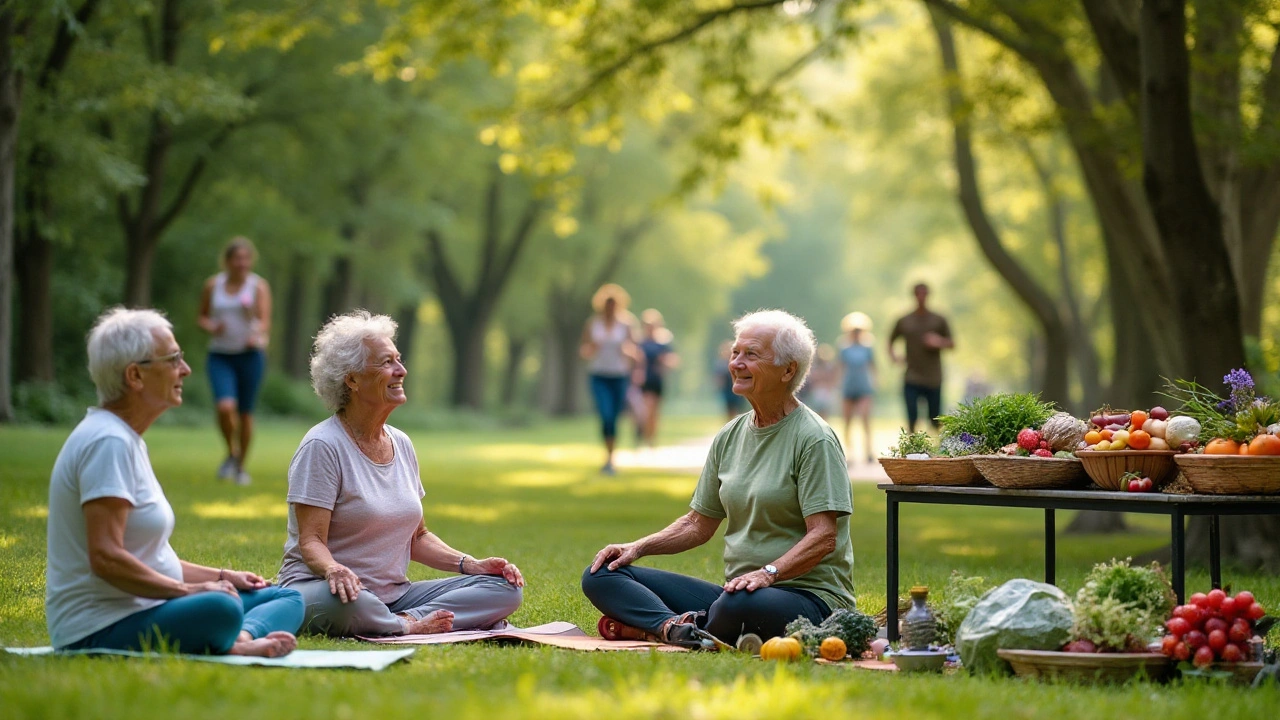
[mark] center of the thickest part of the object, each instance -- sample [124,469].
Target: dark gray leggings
[645,598]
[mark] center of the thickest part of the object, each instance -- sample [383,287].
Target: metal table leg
[1215,552]
[1177,548]
[891,563]
[1050,546]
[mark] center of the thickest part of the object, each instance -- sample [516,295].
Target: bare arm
[430,550]
[687,532]
[893,337]
[313,544]
[586,348]
[818,542]
[207,323]
[105,522]
[264,311]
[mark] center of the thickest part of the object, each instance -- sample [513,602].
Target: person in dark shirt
[925,334]
[650,375]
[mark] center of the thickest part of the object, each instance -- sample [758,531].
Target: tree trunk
[407,332]
[339,289]
[295,335]
[1095,522]
[567,313]
[468,335]
[10,109]
[35,326]
[140,255]
[517,347]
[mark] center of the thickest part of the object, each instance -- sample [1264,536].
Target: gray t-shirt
[376,508]
[103,457]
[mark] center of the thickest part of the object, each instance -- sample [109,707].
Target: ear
[350,381]
[790,372]
[133,376]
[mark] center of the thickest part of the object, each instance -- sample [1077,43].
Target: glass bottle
[919,627]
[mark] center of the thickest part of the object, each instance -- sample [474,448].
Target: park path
[690,455]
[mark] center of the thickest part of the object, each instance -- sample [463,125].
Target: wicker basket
[1106,467]
[1088,667]
[1031,473]
[1231,474]
[934,471]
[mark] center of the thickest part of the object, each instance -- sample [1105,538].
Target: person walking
[925,334]
[235,309]
[857,361]
[656,347]
[610,352]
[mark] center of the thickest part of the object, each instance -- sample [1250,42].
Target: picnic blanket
[557,634]
[351,659]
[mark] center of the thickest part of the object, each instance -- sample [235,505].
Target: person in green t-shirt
[777,476]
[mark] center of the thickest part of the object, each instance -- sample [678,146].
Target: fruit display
[1134,482]
[1111,430]
[1213,627]
[985,425]
[781,648]
[1119,608]
[833,649]
[1241,423]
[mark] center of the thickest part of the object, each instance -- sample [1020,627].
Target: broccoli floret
[855,629]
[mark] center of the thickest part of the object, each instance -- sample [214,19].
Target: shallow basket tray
[1031,473]
[1088,667]
[934,471]
[1231,474]
[1106,467]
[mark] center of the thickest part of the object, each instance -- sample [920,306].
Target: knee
[222,616]
[330,616]
[226,406]
[592,581]
[292,607]
[734,606]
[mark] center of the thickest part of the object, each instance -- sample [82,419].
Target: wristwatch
[773,571]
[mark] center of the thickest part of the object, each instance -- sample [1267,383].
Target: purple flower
[1241,383]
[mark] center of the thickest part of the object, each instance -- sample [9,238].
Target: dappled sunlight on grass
[673,487]
[557,454]
[32,512]
[538,478]
[7,541]
[471,513]
[254,507]
[968,551]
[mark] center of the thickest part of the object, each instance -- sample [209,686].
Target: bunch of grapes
[1213,626]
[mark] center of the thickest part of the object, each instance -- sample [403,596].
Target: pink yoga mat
[556,634]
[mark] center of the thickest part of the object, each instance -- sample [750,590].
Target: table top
[1105,495]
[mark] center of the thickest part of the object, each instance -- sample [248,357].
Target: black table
[1177,507]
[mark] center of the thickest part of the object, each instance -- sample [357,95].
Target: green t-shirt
[765,481]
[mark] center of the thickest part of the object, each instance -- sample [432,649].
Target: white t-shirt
[103,457]
[376,508]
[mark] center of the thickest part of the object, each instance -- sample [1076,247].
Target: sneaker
[227,470]
[242,478]
[608,470]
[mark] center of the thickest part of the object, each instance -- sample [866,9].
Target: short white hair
[340,350]
[793,341]
[120,337]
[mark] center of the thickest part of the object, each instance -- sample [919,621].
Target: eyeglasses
[174,359]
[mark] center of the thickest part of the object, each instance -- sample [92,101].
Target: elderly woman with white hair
[355,507]
[777,475]
[113,581]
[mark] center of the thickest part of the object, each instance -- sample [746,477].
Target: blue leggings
[237,376]
[207,623]
[610,394]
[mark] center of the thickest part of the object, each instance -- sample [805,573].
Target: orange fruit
[833,648]
[781,648]
[1093,437]
[1222,446]
[1244,448]
[1139,440]
[1265,444]
[1137,419]
[1106,434]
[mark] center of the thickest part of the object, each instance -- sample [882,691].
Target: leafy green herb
[912,443]
[996,419]
[1121,607]
[855,629]
[1212,411]
[958,597]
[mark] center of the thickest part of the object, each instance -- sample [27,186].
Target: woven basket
[1231,474]
[1031,473]
[1106,467]
[934,471]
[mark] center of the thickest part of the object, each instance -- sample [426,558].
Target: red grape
[1204,656]
[1232,653]
[1168,644]
[1217,640]
[1216,624]
[1215,598]
[1256,611]
[1182,651]
[1228,608]
[1240,631]
[1200,600]
[1244,598]
[1193,614]
[1178,627]
[1196,639]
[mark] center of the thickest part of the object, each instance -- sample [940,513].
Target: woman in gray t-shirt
[355,507]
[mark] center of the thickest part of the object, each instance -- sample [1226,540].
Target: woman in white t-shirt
[113,581]
[610,351]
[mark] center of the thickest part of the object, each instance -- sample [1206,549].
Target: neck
[921,308]
[771,411]
[133,413]
[364,422]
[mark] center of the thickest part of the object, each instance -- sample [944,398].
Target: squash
[781,648]
[1180,429]
[1063,431]
[833,649]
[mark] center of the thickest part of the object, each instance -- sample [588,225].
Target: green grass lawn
[533,495]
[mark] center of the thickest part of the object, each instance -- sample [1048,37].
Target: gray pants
[476,601]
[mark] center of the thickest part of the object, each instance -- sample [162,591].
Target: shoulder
[811,429]
[399,436]
[212,281]
[262,285]
[324,434]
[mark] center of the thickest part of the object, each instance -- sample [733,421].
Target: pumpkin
[833,648]
[1180,429]
[1063,431]
[781,648]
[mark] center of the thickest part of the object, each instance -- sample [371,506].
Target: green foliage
[910,443]
[1120,608]
[997,418]
[955,601]
[855,629]
[1206,407]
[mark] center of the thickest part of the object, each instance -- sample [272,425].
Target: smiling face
[382,380]
[751,365]
[160,379]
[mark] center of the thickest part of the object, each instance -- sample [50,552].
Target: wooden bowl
[1106,467]
[1088,667]
[934,471]
[1031,473]
[1231,474]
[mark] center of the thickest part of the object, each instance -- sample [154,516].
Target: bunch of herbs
[910,443]
[996,419]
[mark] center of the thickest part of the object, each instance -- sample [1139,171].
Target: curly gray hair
[119,338]
[793,341]
[340,350]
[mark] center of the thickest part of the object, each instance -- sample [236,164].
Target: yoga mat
[557,634]
[355,660]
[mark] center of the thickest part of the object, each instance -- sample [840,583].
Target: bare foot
[276,644]
[439,621]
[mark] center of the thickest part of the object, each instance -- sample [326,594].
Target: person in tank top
[857,360]
[610,352]
[235,309]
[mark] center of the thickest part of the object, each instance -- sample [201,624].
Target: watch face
[771,569]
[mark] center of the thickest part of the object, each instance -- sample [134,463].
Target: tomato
[1228,608]
[1146,485]
[1216,596]
[1168,644]
[1138,419]
[1204,656]
[1216,624]
[1195,639]
[1139,440]
[1217,640]
[1256,611]
[1244,598]
[1200,600]
[1178,627]
[1232,653]
[1182,651]
[1240,631]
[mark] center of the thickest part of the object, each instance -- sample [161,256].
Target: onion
[1159,413]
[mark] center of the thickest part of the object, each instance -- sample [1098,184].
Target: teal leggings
[203,624]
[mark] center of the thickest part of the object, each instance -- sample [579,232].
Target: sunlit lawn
[533,495]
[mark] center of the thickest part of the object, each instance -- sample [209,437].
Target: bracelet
[461,560]
[220,571]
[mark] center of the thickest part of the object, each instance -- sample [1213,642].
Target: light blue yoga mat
[352,659]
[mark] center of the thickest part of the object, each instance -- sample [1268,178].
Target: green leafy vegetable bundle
[1121,607]
[855,629]
[912,443]
[996,419]
[958,597]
